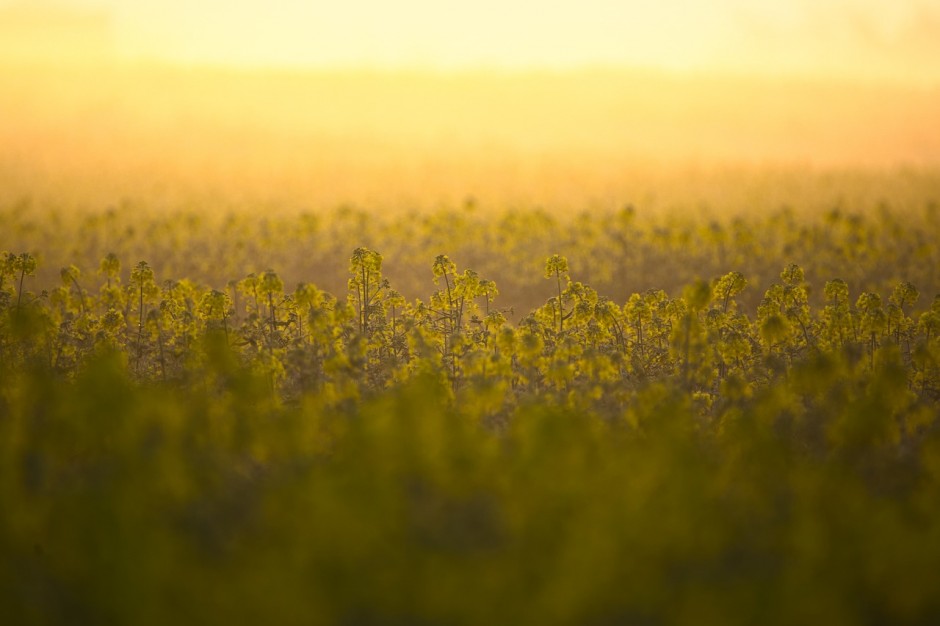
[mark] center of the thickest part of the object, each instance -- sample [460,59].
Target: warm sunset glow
[423,102]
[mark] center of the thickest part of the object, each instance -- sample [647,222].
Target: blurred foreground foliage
[811,500]
[176,453]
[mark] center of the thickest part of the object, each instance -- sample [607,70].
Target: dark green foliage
[811,498]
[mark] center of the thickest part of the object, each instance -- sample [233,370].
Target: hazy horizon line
[704,72]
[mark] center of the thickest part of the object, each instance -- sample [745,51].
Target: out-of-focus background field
[212,144]
[644,179]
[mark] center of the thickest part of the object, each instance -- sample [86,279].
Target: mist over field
[290,141]
[244,154]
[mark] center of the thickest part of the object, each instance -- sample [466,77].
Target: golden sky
[749,83]
[870,39]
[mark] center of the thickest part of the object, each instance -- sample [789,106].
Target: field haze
[85,136]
